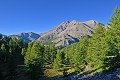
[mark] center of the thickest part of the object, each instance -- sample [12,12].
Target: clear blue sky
[39,16]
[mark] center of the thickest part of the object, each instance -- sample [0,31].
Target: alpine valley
[95,54]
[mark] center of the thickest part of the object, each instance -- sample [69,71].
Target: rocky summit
[69,32]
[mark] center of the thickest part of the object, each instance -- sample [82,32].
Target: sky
[39,16]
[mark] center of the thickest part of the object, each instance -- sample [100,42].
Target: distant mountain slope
[30,36]
[69,32]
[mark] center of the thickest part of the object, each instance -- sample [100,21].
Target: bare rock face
[69,32]
[54,32]
[30,36]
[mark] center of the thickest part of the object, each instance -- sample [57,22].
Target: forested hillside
[20,60]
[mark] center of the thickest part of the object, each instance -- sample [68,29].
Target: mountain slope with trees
[20,60]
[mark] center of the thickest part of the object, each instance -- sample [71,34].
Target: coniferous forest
[20,60]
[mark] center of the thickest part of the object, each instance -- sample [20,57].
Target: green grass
[50,72]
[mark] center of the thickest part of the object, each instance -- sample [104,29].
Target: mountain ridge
[64,34]
[28,36]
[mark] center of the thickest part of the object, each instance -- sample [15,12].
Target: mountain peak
[91,22]
[74,21]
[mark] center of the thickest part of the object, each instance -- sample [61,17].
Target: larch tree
[113,41]
[34,60]
[97,49]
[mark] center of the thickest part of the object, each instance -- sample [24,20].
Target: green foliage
[113,41]
[75,54]
[3,53]
[80,53]
[69,53]
[36,52]
[59,61]
[97,49]
[10,56]
[50,53]
[24,50]
[34,60]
